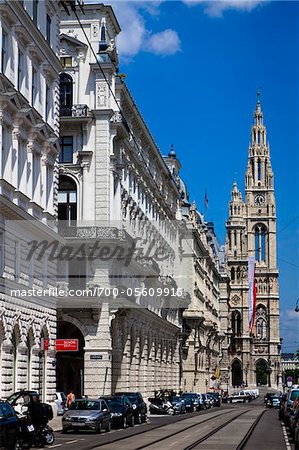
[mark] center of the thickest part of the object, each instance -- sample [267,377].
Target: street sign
[289,381]
[66,345]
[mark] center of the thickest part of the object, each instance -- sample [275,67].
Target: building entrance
[237,377]
[261,373]
[70,365]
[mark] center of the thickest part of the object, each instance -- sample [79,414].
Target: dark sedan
[121,411]
[87,414]
[138,405]
[191,401]
[8,426]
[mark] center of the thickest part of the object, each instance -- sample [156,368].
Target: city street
[229,427]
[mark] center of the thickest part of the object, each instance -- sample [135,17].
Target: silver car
[87,414]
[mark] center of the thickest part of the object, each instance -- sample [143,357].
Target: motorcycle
[160,406]
[30,435]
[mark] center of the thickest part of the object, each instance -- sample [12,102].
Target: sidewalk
[55,423]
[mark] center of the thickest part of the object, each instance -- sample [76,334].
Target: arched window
[252,169]
[67,199]
[236,323]
[66,94]
[261,329]
[260,243]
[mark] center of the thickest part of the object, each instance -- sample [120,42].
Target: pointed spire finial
[259,96]
[172,153]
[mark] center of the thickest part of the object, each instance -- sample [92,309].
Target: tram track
[143,431]
[239,446]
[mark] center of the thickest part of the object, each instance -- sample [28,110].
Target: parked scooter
[160,406]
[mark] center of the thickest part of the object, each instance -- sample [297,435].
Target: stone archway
[261,373]
[237,374]
[70,365]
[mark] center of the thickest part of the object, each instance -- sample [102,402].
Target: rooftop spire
[172,153]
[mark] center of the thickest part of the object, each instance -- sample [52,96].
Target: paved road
[219,428]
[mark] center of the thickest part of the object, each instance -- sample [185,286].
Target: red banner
[66,345]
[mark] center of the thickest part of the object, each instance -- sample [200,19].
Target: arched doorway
[261,372]
[237,376]
[70,365]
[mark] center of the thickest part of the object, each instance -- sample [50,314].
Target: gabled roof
[71,39]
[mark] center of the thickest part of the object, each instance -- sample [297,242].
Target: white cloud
[135,37]
[217,8]
[166,42]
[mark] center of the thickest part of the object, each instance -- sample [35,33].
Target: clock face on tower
[259,200]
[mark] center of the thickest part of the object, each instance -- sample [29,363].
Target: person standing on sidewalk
[70,399]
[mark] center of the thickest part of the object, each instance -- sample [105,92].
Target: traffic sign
[66,345]
[289,381]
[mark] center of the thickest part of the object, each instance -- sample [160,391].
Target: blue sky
[194,69]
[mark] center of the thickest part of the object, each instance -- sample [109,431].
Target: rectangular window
[48,30]
[48,101]
[33,86]
[66,149]
[34,11]
[66,61]
[20,69]
[4,52]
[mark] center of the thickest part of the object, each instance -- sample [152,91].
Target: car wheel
[108,427]
[125,422]
[139,418]
[99,427]
[132,423]
[143,418]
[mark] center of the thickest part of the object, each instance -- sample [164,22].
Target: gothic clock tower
[254,356]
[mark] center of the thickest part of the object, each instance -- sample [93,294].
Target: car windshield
[114,402]
[188,395]
[294,395]
[175,399]
[85,405]
[133,398]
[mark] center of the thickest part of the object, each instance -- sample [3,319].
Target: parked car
[87,414]
[192,401]
[138,404]
[9,425]
[288,405]
[206,401]
[60,400]
[282,407]
[121,410]
[215,397]
[178,404]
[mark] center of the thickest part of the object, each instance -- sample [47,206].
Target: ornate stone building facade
[114,188]
[253,357]
[28,133]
